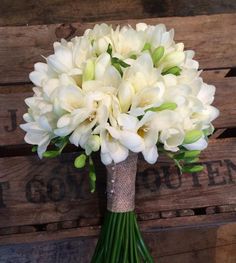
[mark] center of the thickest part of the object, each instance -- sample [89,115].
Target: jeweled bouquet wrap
[121,91]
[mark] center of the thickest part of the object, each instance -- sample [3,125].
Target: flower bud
[80,161]
[192,136]
[158,54]
[89,70]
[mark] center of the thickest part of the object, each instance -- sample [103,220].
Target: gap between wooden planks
[213,37]
[12,106]
[24,12]
[209,242]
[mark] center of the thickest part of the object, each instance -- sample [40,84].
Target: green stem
[111,238]
[126,244]
[119,237]
[142,244]
[131,239]
[121,241]
[134,239]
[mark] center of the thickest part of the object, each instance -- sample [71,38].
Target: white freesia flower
[111,149]
[118,91]
[172,138]
[61,61]
[41,73]
[127,41]
[40,132]
[149,134]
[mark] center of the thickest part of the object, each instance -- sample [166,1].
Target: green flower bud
[80,161]
[192,136]
[92,181]
[192,154]
[89,71]
[158,54]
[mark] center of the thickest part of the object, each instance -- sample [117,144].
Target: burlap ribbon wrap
[121,185]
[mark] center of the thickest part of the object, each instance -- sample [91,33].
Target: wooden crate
[47,213]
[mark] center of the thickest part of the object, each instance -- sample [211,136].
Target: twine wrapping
[121,185]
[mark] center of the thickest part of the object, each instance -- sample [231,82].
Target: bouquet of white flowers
[122,91]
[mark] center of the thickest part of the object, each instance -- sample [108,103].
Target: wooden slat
[213,37]
[43,191]
[12,106]
[214,243]
[46,12]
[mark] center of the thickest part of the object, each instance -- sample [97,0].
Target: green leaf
[123,64]
[34,149]
[158,54]
[192,154]
[80,161]
[174,70]
[179,156]
[164,106]
[192,136]
[192,169]
[109,49]
[147,46]
[51,154]
[115,60]
[118,67]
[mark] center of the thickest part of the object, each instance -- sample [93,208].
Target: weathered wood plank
[213,244]
[36,191]
[12,106]
[21,47]
[49,12]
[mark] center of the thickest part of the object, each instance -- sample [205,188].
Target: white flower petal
[150,154]
[200,145]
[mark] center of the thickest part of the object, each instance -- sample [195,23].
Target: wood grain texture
[21,47]
[13,12]
[37,191]
[211,244]
[12,106]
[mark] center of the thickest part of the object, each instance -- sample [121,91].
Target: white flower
[112,149]
[40,132]
[127,41]
[41,73]
[126,134]
[61,61]
[172,138]
[149,135]
[119,90]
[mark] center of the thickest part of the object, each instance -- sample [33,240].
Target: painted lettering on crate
[72,185]
[40,191]
[154,178]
